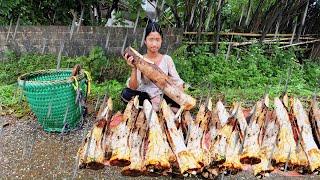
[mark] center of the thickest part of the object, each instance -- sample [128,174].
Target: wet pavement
[27,152]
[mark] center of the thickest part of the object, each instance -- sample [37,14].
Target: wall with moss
[50,39]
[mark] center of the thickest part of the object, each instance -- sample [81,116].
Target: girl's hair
[152,27]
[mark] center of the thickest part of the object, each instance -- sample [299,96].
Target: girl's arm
[133,82]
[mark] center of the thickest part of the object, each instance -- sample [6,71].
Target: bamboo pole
[267,41]
[8,33]
[300,43]
[143,35]
[74,14]
[192,12]
[80,20]
[44,45]
[302,22]
[243,34]
[277,30]
[294,32]
[16,28]
[136,23]
[270,41]
[241,16]
[248,13]
[200,25]
[229,48]
[124,42]
[235,44]
[60,54]
[256,41]
[209,16]
[106,46]
[218,26]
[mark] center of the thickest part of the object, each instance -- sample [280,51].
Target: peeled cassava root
[214,140]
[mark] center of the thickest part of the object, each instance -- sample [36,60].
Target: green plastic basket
[51,95]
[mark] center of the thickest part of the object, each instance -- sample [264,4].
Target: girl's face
[153,42]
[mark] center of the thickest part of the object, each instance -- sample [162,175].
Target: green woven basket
[52,97]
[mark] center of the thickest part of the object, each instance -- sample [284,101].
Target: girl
[140,85]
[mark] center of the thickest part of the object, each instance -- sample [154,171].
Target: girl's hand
[129,60]
[181,87]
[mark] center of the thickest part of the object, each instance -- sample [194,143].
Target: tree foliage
[191,15]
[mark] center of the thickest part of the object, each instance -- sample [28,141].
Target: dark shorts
[127,94]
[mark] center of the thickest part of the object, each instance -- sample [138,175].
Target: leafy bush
[100,66]
[312,73]
[9,71]
[112,88]
[247,72]
[103,67]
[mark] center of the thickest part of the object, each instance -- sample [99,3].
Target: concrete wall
[50,39]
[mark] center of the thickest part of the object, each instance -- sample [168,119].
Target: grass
[12,101]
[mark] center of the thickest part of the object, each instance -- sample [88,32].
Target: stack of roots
[276,136]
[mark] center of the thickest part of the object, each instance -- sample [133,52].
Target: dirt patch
[27,152]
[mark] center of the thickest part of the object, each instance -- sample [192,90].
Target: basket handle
[89,82]
[76,70]
[76,83]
